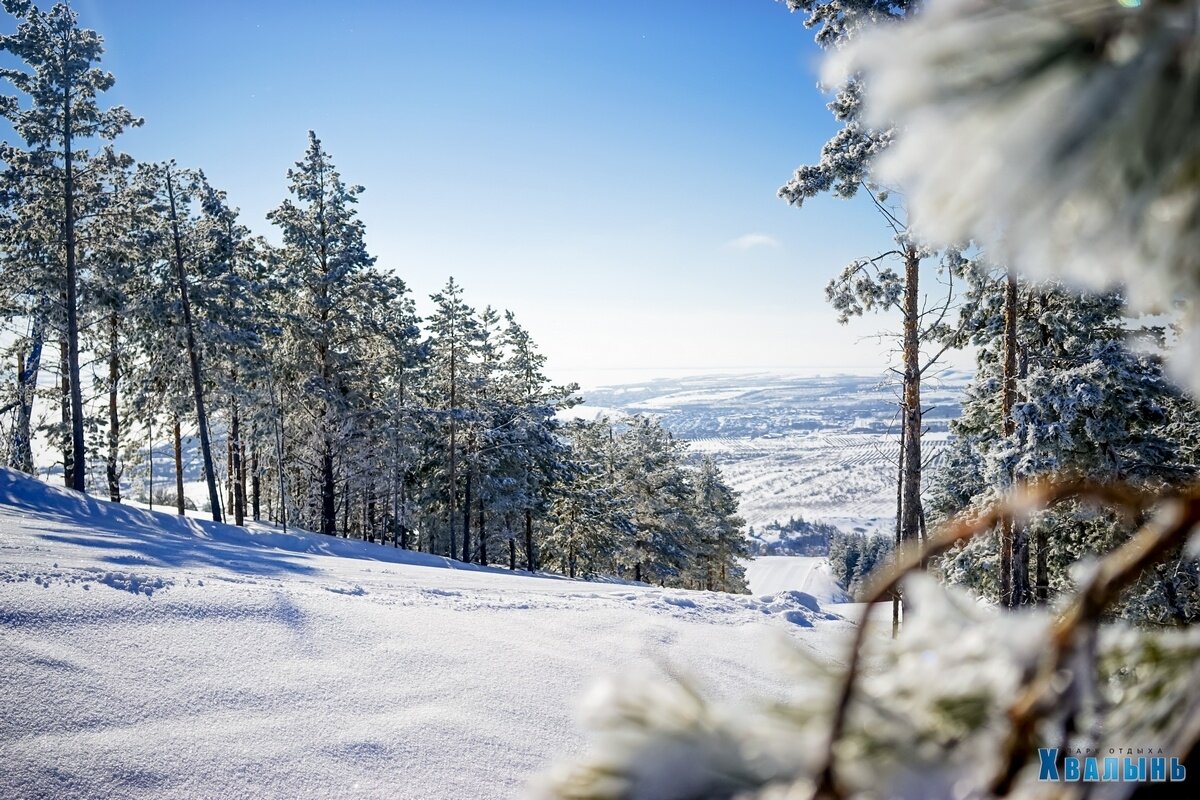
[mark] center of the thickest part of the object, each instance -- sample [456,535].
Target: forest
[139,307]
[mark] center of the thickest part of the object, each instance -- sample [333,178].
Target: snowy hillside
[152,656]
[772,574]
[819,447]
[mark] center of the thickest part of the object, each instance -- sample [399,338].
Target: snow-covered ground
[146,655]
[773,574]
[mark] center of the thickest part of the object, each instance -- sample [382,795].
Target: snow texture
[147,655]
[813,577]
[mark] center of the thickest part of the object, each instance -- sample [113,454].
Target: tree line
[1068,382]
[319,398]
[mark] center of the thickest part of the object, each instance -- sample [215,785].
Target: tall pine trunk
[482,529]
[466,529]
[114,422]
[68,450]
[210,474]
[255,480]
[237,478]
[910,522]
[328,491]
[899,529]
[1008,399]
[530,563]
[78,454]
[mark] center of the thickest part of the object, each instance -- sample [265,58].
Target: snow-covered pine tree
[589,520]
[324,256]
[232,304]
[1085,405]
[61,123]
[108,298]
[872,284]
[535,458]
[651,465]
[722,546]
[453,336]
[172,196]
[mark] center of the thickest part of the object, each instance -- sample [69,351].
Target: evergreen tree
[61,121]
[1084,405]
[453,327]
[324,258]
[722,544]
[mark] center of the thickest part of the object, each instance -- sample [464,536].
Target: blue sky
[605,170]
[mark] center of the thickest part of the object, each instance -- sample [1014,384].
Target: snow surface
[147,655]
[813,576]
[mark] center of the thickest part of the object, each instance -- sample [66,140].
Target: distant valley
[819,447]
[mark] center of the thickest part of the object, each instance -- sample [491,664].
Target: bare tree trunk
[530,562]
[466,529]
[21,452]
[255,482]
[114,423]
[210,474]
[910,519]
[370,514]
[1007,402]
[65,386]
[345,514]
[179,507]
[242,473]
[328,491]
[150,460]
[75,390]
[228,473]
[481,523]
[237,476]
[278,402]
[453,489]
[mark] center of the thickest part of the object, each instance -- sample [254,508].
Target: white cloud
[749,241]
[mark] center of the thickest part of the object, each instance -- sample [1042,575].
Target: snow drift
[155,656]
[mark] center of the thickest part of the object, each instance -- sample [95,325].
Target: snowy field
[819,447]
[147,656]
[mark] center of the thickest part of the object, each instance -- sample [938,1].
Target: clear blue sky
[605,170]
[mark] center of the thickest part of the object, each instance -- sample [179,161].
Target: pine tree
[324,256]
[1082,403]
[62,119]
[722,538]
[453,329]
[537,458]
[590,519]
[870,284]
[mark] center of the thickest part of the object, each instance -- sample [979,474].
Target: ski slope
[147,655]
[774,574]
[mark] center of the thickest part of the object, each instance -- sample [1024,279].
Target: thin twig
[1021,502]
[1116,571]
